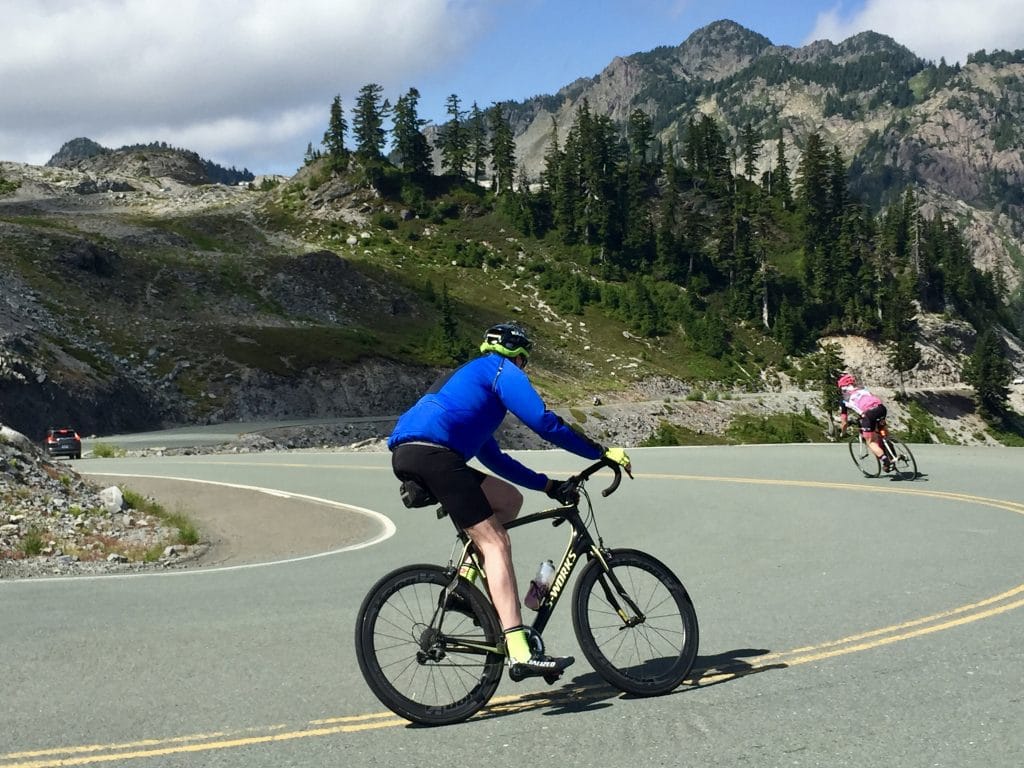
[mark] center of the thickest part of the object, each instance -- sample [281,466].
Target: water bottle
[540,585]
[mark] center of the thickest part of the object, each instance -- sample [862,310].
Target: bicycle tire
[653,656]
[904,465]
[405,652]
[863,458]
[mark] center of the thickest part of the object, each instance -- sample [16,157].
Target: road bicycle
[435,665]
[904,467]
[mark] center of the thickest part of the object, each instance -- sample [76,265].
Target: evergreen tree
[988,372]
[553,157]
[814,204]
[640,135]
[311,156]
[453,140]
[781,187]
[410,144]
[368,121]
[477,143]
[503,149]
[334,138]
[829,365]
[751,148]
[445,339]
[900,328]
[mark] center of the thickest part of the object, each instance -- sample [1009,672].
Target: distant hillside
[953,134]
[156,159]
[710,217]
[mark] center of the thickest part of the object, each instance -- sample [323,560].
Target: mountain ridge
[196,301]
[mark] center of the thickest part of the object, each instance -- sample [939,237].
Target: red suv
[63,441]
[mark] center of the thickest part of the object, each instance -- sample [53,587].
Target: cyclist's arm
[519,396]
[500,463]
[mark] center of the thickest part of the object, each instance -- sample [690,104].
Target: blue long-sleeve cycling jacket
[462,412]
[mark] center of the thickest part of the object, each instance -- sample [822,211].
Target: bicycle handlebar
[594,468]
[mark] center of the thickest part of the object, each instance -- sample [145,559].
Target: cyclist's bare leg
[505,501]
[875,444]
[492,542]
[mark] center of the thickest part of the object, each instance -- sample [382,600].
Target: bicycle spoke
[652,655]
[410,655]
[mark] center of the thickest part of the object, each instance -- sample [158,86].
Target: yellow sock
[517,644]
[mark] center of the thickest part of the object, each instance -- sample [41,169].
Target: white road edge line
[388,532]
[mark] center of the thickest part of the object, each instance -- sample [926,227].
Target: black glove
[564,492]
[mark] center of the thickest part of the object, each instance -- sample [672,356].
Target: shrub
[777,428]
[107,451]
[672,434]
[187,531]
[32,543]
[385,221]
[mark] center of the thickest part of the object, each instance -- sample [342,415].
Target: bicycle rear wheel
[429,666]
[636,625]
[903,460]
[863,458]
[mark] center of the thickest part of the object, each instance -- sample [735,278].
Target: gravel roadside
[55,520]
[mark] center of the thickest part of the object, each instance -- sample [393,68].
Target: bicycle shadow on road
[726,667]
[920,477]
[589,691]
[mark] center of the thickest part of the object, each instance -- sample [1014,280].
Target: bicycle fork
[608,581]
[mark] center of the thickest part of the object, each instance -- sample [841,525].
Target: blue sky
[249,83]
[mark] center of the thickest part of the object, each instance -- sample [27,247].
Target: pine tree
[311,156]
[368,121]
[477,144]
[640,135]
[751,148]
[814,207]
[988,372]
[900,327]
[453,140]
[334,138]
[829,365]
[503,149]
[410,144]
[781,187]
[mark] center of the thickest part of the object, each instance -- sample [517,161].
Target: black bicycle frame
[581,544]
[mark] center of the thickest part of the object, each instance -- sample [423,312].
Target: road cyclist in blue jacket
[453,423]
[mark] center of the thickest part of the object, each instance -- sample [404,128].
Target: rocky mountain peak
[74,151]
[720,49]
[156,160]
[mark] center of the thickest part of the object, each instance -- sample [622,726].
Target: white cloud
[932,28]
[218,76]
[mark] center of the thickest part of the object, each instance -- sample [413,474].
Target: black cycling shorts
[446,474]
[870,418]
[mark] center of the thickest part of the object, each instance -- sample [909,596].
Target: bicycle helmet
[846,380]
[508,339]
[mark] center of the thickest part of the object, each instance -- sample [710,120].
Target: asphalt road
[844,622]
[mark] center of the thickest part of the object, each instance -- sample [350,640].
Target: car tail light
[51,439]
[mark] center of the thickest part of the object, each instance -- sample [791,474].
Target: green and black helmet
[508,339]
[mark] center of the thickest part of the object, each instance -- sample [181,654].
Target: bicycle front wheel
[863,458]
[635,622]
[903,460]
[429,665]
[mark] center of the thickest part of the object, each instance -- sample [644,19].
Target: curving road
[844,622]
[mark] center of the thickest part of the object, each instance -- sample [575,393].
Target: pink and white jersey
[860,400]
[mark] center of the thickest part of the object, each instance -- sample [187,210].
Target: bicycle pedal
[552,679]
